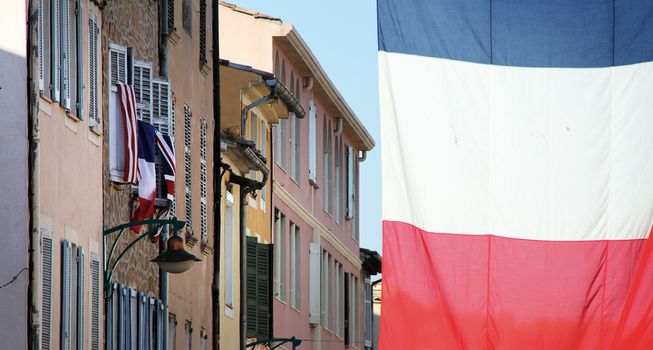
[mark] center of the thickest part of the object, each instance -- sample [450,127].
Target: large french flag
[517,156]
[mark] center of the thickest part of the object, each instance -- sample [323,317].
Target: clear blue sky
[342,35]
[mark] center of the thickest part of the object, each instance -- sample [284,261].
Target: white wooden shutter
[80,298]
[188,167]
[66,298]
[143,90]
[40,43]
[46,289]
[96,302]
[54,49]
[161,105]
[203,182]
[314,283]
[117,64]
[351,198]
[93,108]
[65,53]
[312,142]
[292,287]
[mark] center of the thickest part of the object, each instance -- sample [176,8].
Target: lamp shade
[175,259]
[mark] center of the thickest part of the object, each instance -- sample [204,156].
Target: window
[282,142]
[314,287]
[253,136]
[202,33]
[172,332]
[280,255]
[264,153]
[326,164]
[338,291]
[203,183]
[295,271]
[295,154]
[312,143]
[325,291]
[65,338]
[79,322]
[338,185]
[203,337]
[117,74]
[188,335]
[351,311]
[229,247]
[187,16]
[188,167]
[368,313]
[351,198]
[46,289]
[258,289]
[93,73]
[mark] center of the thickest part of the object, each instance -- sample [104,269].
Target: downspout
[163,71]
[338,129]
[243,117]
[362,157]
[34,317]
[217,165]
[247,186]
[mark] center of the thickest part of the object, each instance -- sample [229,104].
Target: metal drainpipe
[163,71]
[33,177]
[247,186]
[253,105]
[217,180]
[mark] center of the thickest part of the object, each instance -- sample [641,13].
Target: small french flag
[146,172]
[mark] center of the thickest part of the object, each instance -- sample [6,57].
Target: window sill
[313,183]
[296,182]
[96,129]
[173,37]
[229,310]
[281,167]
[205,69]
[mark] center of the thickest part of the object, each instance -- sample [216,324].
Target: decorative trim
[311,220]
[173,37]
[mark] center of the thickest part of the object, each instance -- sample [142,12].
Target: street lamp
[174,260]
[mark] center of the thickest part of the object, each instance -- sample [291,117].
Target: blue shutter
[80,298]
[66,290]
[46,289]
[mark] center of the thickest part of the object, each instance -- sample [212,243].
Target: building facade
[317,283]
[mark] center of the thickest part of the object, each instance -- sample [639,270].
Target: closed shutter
[117,65]
[171,16]
[203,183]
[54,51]
[368,313]
[314,282]
[96,296]
[347,303]
[202,32]
[312,142]
[80,298]
[133,319]
[79,62]
[143,90]
[251,261]
[187,167]
[40,43]
[66,298]
[123,318]
[65,52]
[351,200]
[46,289]
[258,289]
[93,109]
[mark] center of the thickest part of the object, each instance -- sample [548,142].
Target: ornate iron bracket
[293,341]
[155,225]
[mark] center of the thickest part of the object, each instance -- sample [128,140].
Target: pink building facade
[317,283]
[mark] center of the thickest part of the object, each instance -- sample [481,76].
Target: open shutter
[202,32]
[143,90]
[347,302]
[314,286]
[312,143]
[96,301]
[252,329]
[66,298]
[54,51]
[351,200]
[368,313]
[65,53]
[263,312]
[46,289]
[40,43]
[118,64]
[161,105]
[80,298]
[93,109]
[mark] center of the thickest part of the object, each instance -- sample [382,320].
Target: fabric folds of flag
[166,147]
[147,172]
[516,159]
[130,129]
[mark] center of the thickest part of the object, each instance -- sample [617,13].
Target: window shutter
[251,260]
[347,303]
[368,313]
[79,62]
[142,319]
[292,287]
[161,105]
[143,90]
[46,289]
[66,298]
[312,142]
[297,263]
[188,166]
[117,64]
[263,314]
[65,52]
[40,43]
[314,283]
[80,298]
[55,58]
[96,296]
[123,317]
[202,32]
[93,109]
[350,185]
[171,16]
[203,182]
[160,311]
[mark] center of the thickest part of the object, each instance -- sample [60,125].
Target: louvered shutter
[66,297]
[347,303]
[161,105]
[117,64]
[143,90]
[93,110]
[80,298]
[251,260]
[54,50]
[142,319]
[46,289]
[40,43]
[203,182]
[96,296]
[314,282]
[160,313]
[351,200]
[263,314]
[312,142]
[202,32]
[171,16]
[188,167]
[65,53]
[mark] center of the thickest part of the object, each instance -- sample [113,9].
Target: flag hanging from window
[146,171]
[128,106]
[517,174]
